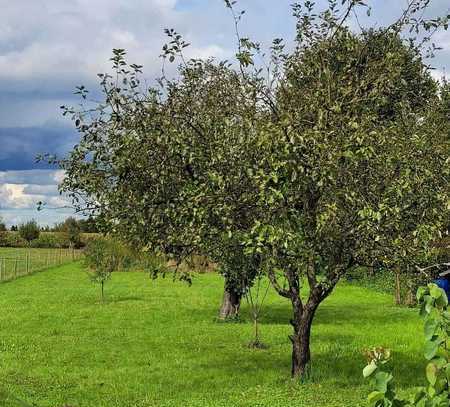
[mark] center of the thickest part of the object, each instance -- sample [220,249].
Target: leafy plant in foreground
[434,309]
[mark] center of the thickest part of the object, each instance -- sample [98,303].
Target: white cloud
[45,190]
[20,191]
[63,39]
[58,176]
[25,196]
[47,47]
[438,74]
[210,51]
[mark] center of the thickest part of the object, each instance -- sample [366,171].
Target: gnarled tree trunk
[230,304]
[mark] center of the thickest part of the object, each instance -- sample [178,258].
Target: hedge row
[48,240]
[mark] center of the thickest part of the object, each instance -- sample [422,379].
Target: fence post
[27,265]
[15,268]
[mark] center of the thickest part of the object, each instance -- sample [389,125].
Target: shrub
[29,231]
[86,238]
[50,241]
[72,231]
[12,239]
[46,240]
[380,280]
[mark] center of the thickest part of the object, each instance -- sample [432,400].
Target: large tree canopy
[326,158]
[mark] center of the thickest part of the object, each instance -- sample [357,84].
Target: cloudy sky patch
[20,191]
[47,47]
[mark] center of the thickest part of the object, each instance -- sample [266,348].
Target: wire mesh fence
[15,263]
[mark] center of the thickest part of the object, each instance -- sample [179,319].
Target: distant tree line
[87,225]
[70,233]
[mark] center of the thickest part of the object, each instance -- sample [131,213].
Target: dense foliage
[333,156]
[29,231]
[86,225]
[72,230]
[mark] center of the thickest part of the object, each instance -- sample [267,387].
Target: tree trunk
[230,304]
[301,322]
[301,353]
[410,296]
[256,329]
[398,297]
[410,299]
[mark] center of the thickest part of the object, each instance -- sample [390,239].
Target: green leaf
[369,369]
[420,293]
[442,301]
[374,397]
[431,373]
[382,380]
[430,328]
[436,292]
[447,371]
[440,362]
[431,348]
[429,304]
[440,385]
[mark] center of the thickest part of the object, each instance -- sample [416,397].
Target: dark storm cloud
[19,146]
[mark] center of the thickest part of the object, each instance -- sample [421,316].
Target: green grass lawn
[16,262]
[156,343]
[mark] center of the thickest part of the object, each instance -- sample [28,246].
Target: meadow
[158,343]
[18,262]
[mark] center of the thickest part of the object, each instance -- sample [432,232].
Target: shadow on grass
[111,300]
[336,358]
[345,368]
[126,299]
[275,314]
[341,368]
[335,316]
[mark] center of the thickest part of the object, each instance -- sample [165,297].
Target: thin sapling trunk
[255,303]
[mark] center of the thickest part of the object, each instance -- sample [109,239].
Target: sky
[47,47]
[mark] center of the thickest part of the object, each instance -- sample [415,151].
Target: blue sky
[47,47]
